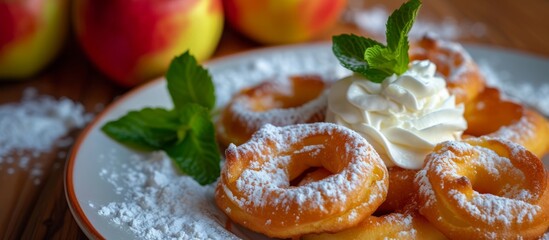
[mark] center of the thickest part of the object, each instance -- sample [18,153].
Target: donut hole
[310,175]
[488,113]
[317,157]
[494,177]
[271,95]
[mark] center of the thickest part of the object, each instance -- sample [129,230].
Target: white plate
[86,189]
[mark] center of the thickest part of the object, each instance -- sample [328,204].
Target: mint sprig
[372,59]
[186,133]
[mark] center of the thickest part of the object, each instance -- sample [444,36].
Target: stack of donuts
[287,174]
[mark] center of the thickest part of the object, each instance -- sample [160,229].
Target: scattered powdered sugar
[35,125]
[161,203]
[372,20]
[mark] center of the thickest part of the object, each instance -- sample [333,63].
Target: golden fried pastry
[299,100]
[490,115]
[255,191]
[462,74]
[397,219]
[484,188]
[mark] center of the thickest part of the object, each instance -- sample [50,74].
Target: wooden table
[29,211]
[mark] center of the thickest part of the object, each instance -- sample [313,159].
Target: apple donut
[300,99]
[396,218]
[255,191]
[484,189]
[462,74]
[490,115]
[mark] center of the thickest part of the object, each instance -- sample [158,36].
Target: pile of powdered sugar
[35,125]
[161,203]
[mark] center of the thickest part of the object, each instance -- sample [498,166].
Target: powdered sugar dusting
[495,209]
[524,128]
[278,116]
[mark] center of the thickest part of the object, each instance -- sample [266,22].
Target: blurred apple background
[133,41]
[31,34]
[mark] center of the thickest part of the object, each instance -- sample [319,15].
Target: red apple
[134,40]
[283,21]
[31,34]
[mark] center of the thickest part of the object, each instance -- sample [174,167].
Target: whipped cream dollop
[404,117]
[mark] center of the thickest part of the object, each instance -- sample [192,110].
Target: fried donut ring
[254,189]
[400,219]
[484,188]
[299,100]
[490,115]
[463,77]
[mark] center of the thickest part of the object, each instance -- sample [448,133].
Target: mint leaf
[349,49]
[197,154]
[186,133]
[398,26]
[188,82]
[371,58]
[381,59]
[147,129]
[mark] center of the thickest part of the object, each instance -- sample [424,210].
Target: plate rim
[68,177]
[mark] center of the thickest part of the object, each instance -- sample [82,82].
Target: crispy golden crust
[255,191]
[462,74]
[297,101]
[402,192]
[484,189]
[490,115]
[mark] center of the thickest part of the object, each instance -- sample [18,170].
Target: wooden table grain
[31,209]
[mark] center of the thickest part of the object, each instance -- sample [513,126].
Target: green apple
[134,41]
[31,34]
